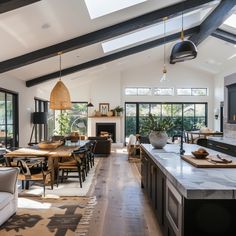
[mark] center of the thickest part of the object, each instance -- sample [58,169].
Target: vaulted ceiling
[33,33]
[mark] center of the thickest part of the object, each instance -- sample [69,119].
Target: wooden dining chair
[34,169]
[73,164]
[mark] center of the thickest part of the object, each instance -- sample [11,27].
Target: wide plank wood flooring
[122,208]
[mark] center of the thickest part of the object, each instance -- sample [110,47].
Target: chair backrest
[144,139]
[79,154]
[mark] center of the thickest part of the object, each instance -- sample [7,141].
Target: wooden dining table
[52,155]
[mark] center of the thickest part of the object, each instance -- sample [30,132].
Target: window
[65,122]
[231,21]
[138,91]
[191,91]
[163,91]
[8,119]
[155,31]
[131,91]
[144,91]
[199,92]
[190,115]
[183,92]
[99,8]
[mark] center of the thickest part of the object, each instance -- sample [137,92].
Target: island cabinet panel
[153,183]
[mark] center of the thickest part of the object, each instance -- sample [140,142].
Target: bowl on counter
[200,155]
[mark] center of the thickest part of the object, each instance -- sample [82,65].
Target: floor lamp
[38,118]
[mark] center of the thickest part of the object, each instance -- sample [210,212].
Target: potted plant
[157,130]
[118,110]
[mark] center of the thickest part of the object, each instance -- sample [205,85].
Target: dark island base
[179,216]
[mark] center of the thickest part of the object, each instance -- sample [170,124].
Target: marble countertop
[192,182]
[230,141]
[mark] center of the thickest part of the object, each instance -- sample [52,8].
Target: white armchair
[8,193]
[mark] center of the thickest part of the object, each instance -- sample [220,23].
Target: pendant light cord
[164,42]
[182,31]
[60,53]
[164,26]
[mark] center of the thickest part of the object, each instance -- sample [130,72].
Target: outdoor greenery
[65,122]
[190,115]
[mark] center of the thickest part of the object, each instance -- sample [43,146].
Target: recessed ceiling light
[45,26]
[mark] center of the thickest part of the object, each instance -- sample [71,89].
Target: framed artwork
[103,108]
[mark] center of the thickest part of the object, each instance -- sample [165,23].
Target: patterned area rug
[59,217]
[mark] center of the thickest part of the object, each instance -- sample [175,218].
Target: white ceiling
[48,22]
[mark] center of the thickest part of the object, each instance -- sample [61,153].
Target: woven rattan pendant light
[60,96]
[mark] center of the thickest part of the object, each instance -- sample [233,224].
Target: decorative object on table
[110,113]
[97,113]
[201,153]
[118,110]
[50,145]
[38,118]
[163,78]
[103,108]
[184,50]
[60,96]
[157,128]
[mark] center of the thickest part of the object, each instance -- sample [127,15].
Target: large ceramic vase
[158,139]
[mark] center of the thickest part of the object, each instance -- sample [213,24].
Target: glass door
[8,119]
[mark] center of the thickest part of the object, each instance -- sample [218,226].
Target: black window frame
[15,123]
[162,103]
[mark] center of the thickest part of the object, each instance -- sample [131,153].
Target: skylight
[231,21]
[173,25]
[97,8]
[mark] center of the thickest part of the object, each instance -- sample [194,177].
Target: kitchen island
[187,200]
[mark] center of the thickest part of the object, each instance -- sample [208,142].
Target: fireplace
[106,129]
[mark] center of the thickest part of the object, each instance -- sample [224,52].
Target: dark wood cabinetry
[153,182]
[181,216]
[231,103]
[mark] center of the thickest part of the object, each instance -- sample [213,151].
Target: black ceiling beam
[102,34]
[110,57]
[10,5]
[214,20]
[224,35]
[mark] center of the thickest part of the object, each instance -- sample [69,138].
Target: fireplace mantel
[105,117]
[92,120]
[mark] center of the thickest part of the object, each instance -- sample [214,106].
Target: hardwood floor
[122,208]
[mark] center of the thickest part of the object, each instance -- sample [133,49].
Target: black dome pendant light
[184,50]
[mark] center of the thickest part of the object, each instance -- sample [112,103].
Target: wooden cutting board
[206,163]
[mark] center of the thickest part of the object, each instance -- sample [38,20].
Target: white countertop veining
[192,182]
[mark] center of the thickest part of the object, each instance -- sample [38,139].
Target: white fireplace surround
[104,119]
